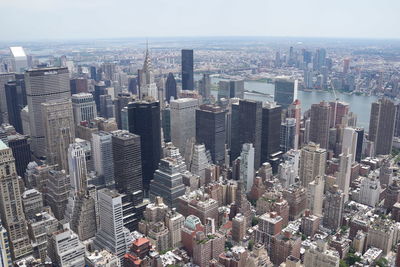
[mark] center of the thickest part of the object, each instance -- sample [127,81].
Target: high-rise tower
[11,210]
[187,69]
[42,85]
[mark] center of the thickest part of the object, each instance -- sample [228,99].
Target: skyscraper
[210,131]
[112,234]
[13,106]
[121,102]
[205,87]
[65,249]
[11,209]
[21,151]
[312,163]
[20,60]
[84,107]
[288,134]
[170,88]
[103,156]
[320,123]
[230,89]
[187,69]
[107,109]
[270,134]
[183,121]
[42,85]
[144,120]
[4,79]
[333,208]
[247,166]
[285,92]
[360,141]
[350,142]
[127,163]
[294,111]
[147,86]
[381,125]
[250,125]
[77,168]
[168,182]
[59,131]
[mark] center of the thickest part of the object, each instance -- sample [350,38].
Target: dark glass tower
[21,150]
[210,130]
[360,140]
[187,69]
[285,92]
[250,123]
[127,163]
[13,107]
[99,89]
[144,120]
[170,87]
[271,122]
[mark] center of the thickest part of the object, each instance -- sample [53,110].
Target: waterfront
[360,105]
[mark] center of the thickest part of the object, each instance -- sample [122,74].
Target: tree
[254,221]
[250,245]
[382,262]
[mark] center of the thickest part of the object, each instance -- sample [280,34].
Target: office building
[205,87]
[127,163]
[84,107]
[144,120]
[12,214]
[112,235]
[333,208]
[211,131]
[32,202]
[14,106]
[19,59]
[78,85]
[183,121]
[381,125]
[320,124]
[99,90]
[187,69]
[288,134]
[4,79]
[42,85]
[5,253]
[247,116]
[58,188]
[65,249]
[247,166]
[167,182]
[231,89]
[285,92]
[20,146]
[77,168]
[121,102]
[350,142]
[59,131]
[198,161]
[315,195]
[107,109]
[312,163]
[370,190]
[344,173]
[102,152]
[270,134]
[170,88]
[147,86]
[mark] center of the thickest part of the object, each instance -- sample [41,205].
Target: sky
[23,20]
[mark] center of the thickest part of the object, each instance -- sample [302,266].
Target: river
[360,105]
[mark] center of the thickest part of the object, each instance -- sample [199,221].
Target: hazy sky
[65,19]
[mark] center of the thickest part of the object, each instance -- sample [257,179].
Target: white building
[344,174]
[5,253]
[315,193]
[319,255]
[370,189]
[312,163]
[102,258]
[103,156]
[65,249]
[84,107]
[77,167]
[183,121]
[112,235]
[247,166]
[20,60]
[349,142]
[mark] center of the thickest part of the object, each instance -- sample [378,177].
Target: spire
[147,61]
